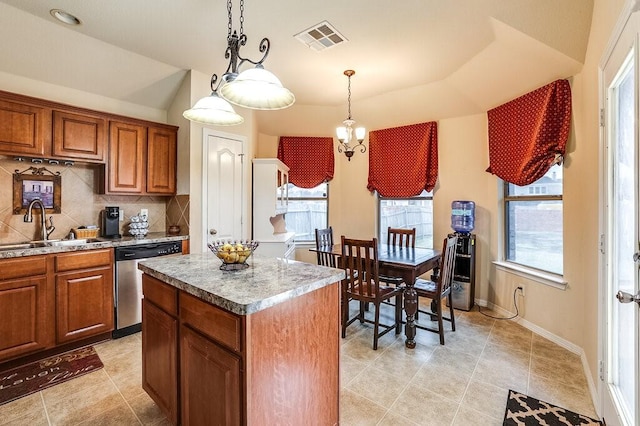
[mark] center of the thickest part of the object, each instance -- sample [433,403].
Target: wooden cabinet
[274,366]
[80,137]
[199,358]
[162,149]
[126,167]
[142,159]
[84,294]
[25,129]
[160,345]
[25,303]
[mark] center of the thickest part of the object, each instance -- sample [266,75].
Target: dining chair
[399,237]
[362,283]
[324,239]
[440,289]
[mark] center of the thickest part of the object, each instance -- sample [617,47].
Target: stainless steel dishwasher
[128,282]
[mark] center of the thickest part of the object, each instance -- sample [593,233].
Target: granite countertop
[267,281]
[97,243]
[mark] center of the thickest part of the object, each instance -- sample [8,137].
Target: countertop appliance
[111,222]
[128,282]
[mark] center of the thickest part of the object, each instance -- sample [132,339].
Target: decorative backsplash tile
[81,204]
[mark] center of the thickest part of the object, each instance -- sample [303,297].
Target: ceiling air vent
[321,36]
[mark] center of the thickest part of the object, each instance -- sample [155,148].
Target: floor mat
[526,410]
[39,375]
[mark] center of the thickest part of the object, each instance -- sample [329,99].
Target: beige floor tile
[391,419]
[402,361]
[444,380]
[470,417]
[424,407]
[349,368]
[28,411]
[63,390]
[124,362]
[501,374]
[564,369]
[561,394]
[461,361]
[380,386]
[121,415]
[511,337]
[129,384]
[507,355]
[115,347]
[146,410]
[90,402]
[486,398]
[356,410]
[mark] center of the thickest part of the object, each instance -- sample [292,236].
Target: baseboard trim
[571,347]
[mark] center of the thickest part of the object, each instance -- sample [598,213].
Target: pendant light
[254,88]
[346,133]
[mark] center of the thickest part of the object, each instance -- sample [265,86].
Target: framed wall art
[37,182]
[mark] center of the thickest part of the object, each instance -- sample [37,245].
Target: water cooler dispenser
[464,276]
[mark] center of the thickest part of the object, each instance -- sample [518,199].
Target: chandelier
[254,88]
[345,133]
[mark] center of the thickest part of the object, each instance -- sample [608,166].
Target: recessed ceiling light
[64,17]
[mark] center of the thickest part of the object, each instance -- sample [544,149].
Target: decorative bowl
[234,254]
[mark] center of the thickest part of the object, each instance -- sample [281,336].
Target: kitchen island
[258,346]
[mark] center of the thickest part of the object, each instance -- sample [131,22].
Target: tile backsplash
[81,204]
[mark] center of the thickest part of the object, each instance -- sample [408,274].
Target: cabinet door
[25,325]
[218,396]
[160,358]
[126,165]
[78,136]
[85,304]
[24,129]
[161,161]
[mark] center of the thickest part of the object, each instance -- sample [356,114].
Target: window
[307,211]
[414,212]
[533,222]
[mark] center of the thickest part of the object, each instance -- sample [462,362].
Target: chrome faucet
[46,231]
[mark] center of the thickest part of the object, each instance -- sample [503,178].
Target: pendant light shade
[213,110]
[257,88]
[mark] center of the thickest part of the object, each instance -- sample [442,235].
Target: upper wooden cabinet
[81,137]
[24,129]
[126,168]
[142,159]
[139,156]
[162,150]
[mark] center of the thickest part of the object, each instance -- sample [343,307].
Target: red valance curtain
[403,161]
[529,133]
[310,159]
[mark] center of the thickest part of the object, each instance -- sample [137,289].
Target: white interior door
[619,378]
[222,186]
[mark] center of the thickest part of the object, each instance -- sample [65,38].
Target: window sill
[555,281]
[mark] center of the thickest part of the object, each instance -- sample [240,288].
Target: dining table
[407,263]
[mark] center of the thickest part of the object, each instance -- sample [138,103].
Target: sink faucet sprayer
[46,231]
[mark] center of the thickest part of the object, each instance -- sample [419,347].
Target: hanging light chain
[349,97]
[241,17]
[230,20]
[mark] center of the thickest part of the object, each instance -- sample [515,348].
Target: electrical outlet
[521,289]
[144,212]
[121,215]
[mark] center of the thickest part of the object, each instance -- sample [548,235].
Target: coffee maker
[111,222]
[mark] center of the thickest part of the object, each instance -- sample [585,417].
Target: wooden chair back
[324,240]
[447,265]
[360,261]
[401,237]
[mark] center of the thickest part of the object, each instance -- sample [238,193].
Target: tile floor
[464,382]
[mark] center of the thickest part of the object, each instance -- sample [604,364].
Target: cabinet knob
[213,231]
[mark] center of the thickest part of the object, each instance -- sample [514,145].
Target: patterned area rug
[39,375]
[525,410]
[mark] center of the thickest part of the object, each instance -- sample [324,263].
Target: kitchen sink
[47,243]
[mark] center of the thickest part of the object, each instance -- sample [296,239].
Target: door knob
[213,231]
[624,297]
[636,257]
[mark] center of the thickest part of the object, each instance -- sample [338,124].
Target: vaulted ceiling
[473,53]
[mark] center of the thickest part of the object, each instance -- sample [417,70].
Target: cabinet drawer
[83,259]
[220,325]
[162,295]
[23,267]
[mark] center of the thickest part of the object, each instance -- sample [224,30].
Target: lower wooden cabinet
[84,301]
[160,358]
[26,307]
[216,397]
[54,299]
